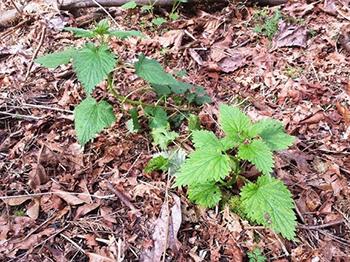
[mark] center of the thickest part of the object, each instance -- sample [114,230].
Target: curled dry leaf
[165,232]
[33,209]
[16,201]
[172,38]
[37,176]
[290,36]
[69,198]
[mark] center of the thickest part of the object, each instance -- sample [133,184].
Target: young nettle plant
[94,62]
[217,163]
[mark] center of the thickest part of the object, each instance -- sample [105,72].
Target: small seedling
[256,255]
[217,163]
[95,62]
[265,24]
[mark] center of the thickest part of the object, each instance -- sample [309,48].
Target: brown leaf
[34,239]
[93,257]
[16,201]
[33,209]
[344,112]
[313,119]
[37,176]
[69,198]
[165,232]
[289,36]
[172,38]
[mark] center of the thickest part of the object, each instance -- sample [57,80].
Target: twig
[123,198]
[57,193]
[17,8]
[73,243]
[124,99]
[104,10]
[41,42]
[21,116]
[316,227]
[42,107]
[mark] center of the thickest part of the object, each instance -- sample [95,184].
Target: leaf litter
[301,77]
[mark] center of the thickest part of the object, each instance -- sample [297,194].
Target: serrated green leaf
[133,124]
[129,5]
[102,27]
[206,195]
[125,34]
[163,137]
[79,32]
[203,165]
[91,117]
[151,71]
[157,163]
[158,117]
[158,21]
[234,122]
[162,82]
[93,64]
[56,59]
[206,139]
[273,134]
[258,153]
[256,256]
[194,122]
[269,203]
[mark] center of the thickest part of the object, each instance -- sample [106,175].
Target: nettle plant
[214,167]
[94,63]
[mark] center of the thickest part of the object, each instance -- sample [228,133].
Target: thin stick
[73,243]
[42,107]
[123,198]
[57,193]
[315,227]
[104,10]
[21,116]
[18,9]
[41,42]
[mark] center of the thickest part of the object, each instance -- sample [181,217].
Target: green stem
[123,99]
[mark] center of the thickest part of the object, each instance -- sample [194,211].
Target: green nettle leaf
[93,64]
[258,153]
[125,34]
[158,21]
[194,122]
[269,203]
[129,5]
[91,117]
[273,134]
[206,139]
[56,59]
[102,27]
[206,195]
[162,82]
[163,137]
[234,122]
[133,124]
[151,71]
[158,117]
[256,256]
[79,32]
[157,163]
[203,165]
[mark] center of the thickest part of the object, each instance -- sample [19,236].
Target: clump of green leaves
[256,255]
[217,161]
[265,24]
[94,62]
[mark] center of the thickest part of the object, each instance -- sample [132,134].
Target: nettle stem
[124,99]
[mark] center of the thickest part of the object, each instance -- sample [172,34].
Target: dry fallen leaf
[290,36]
[165,232]
[33,209]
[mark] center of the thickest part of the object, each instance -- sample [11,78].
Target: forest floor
[108,208]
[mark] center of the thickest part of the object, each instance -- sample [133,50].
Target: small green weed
[217,163]
[256,255]
[265,24]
